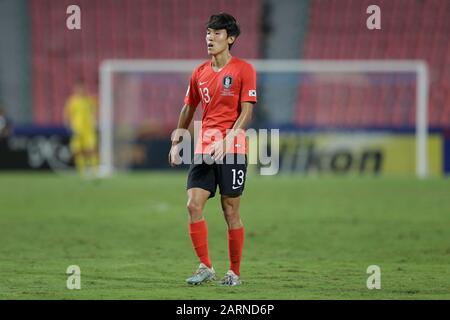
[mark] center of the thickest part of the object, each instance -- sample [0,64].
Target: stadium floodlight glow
[418,67]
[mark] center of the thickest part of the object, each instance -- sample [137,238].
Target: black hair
[224,21]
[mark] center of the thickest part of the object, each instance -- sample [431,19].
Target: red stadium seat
[121,29]
[410,30]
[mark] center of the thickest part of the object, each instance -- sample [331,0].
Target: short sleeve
[192,97]
[248,86]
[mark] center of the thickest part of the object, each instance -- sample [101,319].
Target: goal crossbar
[419,67]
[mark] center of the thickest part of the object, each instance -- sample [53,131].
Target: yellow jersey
[81,113]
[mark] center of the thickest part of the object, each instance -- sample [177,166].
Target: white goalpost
[109,68]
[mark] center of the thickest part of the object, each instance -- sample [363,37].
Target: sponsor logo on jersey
[252,93]
[227,81]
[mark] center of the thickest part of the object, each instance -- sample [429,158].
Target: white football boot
[203,274]
[230,279]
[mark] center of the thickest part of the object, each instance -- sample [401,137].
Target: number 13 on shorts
[238,177]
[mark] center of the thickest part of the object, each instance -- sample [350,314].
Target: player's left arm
[247,99]
[242,121]
[245,117]
[240,124]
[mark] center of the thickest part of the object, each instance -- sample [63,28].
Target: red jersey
[221,93]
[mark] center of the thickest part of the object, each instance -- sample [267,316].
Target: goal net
[345,109]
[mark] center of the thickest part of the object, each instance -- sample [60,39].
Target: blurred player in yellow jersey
[80,115]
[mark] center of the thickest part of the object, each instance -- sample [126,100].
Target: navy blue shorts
[230,175]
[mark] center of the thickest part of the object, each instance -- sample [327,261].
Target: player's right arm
[191,100]
[184,120]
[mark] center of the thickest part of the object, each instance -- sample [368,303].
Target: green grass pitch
[306,238]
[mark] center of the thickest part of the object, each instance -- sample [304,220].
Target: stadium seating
[138,29]
[157,29]
[411,29]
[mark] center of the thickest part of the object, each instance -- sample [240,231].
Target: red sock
[198,232]
[235,245]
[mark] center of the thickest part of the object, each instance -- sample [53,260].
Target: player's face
[217,41]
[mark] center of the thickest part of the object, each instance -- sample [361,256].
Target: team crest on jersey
[227,81]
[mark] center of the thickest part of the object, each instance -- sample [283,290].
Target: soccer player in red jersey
[226,88]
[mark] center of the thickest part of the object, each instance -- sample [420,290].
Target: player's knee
[194,208]
[230,212]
